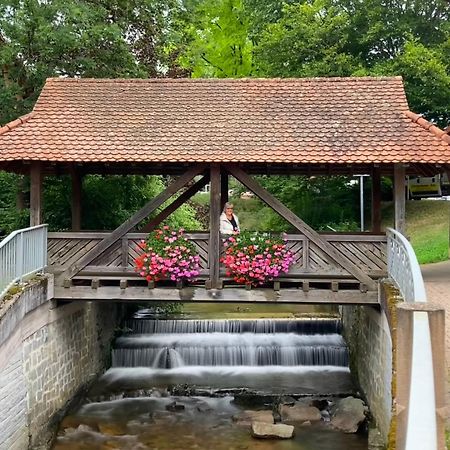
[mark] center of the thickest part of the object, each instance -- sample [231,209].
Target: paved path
[437,285]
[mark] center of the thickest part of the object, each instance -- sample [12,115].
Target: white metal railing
[22,253]
[404,270]
[403,267]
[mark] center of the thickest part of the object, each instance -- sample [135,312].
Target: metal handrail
[22,253]
[404,270]
[403,267]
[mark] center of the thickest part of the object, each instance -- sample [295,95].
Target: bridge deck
[313,278]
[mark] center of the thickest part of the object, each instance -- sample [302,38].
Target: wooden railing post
[35,194]
[376,200]
[77,182]
[214,229]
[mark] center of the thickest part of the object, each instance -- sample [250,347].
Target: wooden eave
[177,168]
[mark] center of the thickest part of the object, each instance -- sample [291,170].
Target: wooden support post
[35,194]
[223,188]
[76,199]
[399,198]
[180,200]
[214,228]
[376,200]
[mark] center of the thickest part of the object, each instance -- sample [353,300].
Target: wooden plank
[356,237]
[108,255]
[76,180]
[123,229]
[306,254]
[198,294]
[376,200]
[35,193]
[311,234]
[124,253]
[399,198]
[77,251]
[369,250]
[214,225]
[180,200]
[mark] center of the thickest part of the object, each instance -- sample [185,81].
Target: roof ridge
[438,132]
[15,123]
[221,80]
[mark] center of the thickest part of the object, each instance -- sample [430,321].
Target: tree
[219,46]
[89,38]
[362,37]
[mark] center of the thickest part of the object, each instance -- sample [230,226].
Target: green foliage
[309,40]
[111,38]
[220,46]
[10,217]
[319,201]
[359,37]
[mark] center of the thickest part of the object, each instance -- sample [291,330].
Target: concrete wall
[368,336]
[45,360]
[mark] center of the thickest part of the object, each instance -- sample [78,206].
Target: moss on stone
[392,299]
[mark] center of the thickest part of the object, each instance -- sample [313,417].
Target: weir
[224,343]
[305,356]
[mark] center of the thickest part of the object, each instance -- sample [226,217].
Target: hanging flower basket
[255,258]
[167,254]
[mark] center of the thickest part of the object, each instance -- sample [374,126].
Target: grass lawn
[427,226]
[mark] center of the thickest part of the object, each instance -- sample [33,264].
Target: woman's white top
[225,225]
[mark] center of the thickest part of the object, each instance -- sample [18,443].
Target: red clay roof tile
[316,120]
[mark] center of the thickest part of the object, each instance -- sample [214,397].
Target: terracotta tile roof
[317,120]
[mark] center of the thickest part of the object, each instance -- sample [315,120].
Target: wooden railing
[368,252]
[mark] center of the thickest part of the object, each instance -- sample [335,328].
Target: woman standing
[229,223]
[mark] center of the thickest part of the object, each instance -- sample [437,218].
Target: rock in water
[300,413]
[263,430]
[349,414]
[174,406]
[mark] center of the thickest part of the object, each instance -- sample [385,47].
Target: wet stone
[263,430]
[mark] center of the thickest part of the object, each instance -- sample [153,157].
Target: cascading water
[296,356]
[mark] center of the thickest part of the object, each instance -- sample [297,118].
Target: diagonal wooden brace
[300,225]
[183,198]
[123,229]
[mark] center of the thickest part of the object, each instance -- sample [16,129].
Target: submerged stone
[263,430]
[300,413]
[174,406]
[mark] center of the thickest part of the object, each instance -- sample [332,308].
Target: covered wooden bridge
[204,131]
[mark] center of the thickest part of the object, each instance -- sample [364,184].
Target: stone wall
[50,355]
[368,336]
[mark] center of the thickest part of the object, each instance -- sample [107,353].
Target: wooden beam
[376,200]
[399,198]
[35,193]
[77,181]
[300,225]
[199,294]
[214,228]
[180,200]
[223,188]
[123,229]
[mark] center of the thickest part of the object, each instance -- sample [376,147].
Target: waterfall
[169,344]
